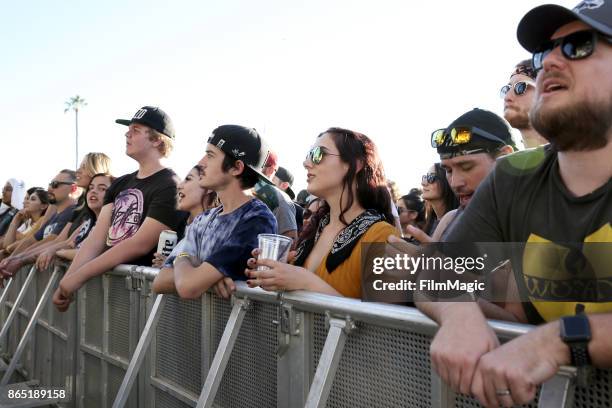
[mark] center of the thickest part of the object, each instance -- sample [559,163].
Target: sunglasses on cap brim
[460,135]
[574,46]
[519,88]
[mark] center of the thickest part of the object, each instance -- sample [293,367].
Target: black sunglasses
[317,153]
[56,184]
[429,178]
[519,88]
[574,46]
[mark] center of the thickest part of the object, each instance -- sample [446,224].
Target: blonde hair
[166,144]
[97,163]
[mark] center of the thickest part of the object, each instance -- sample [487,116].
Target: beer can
[167,241]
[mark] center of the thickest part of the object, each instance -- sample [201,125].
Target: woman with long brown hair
[345,171]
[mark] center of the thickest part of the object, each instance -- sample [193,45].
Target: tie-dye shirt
[226,240]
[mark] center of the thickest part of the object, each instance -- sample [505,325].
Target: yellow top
[346,278]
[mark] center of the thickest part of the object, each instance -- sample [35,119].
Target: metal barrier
[137,349]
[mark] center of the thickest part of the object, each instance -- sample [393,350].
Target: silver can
[167,241]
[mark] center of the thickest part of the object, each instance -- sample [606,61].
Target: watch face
[575,328]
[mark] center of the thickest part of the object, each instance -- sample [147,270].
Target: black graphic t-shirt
[83,221]
[56,224]
[525,200]
[135,199]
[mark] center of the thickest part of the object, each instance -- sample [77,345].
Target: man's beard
[578,127]
[52,199]
[519,120]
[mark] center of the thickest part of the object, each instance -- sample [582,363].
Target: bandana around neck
[344,242]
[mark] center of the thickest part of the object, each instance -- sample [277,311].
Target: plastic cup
[273,246]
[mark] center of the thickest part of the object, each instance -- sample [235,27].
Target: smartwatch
[576,333]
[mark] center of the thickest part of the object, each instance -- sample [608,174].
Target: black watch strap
[580,354]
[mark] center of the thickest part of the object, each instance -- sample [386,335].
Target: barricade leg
[140,352]
[30,328]
[217,367]
[7,288]
[558,392]
[17,305]
[441,395]
[328,362]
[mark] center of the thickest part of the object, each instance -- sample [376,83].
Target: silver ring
[502,392]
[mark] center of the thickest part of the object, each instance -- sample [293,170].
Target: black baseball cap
[153,117]
[539,24]
[486,121]
[284,175]
[242,143]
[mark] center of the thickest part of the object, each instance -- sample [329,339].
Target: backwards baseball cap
[283,175]
[477,131]
[153,117]
[539,24]
[242,143]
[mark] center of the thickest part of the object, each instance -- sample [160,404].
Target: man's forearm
[164,281]
[439,311]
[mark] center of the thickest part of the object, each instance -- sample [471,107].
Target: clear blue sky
[394,70]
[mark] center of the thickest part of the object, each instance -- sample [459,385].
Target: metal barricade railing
[138,349]
[38,343]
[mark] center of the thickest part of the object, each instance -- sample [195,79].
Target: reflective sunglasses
[519,88]
[317,153]
[460,135]
[574,46]
[56,184]
[429,178]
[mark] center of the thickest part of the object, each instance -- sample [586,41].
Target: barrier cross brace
[17,305]
[140,352]
[328,362]
[30,328]
[219,363]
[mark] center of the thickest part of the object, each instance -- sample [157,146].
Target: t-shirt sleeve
[230,259]
[188,244]
[112,190]
[163,207]
[61,221]
[285,217]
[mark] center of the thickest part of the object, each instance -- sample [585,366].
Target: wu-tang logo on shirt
[558,276]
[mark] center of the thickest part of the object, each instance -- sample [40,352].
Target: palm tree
[75,103]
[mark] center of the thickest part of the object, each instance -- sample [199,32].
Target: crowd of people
[558,190]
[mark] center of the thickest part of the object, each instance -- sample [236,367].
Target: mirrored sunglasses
[519,88]
[317,153]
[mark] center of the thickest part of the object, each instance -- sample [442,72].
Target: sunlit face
[406,216]
[34,206]
[517,107]
[190,193]
[312,208]
[96,191]
[83,176]
[465,173]
[213,177]
[137,140]
[573,101]
[62,191]
[431,191]
[326,178]
[7,193]
[26,198]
